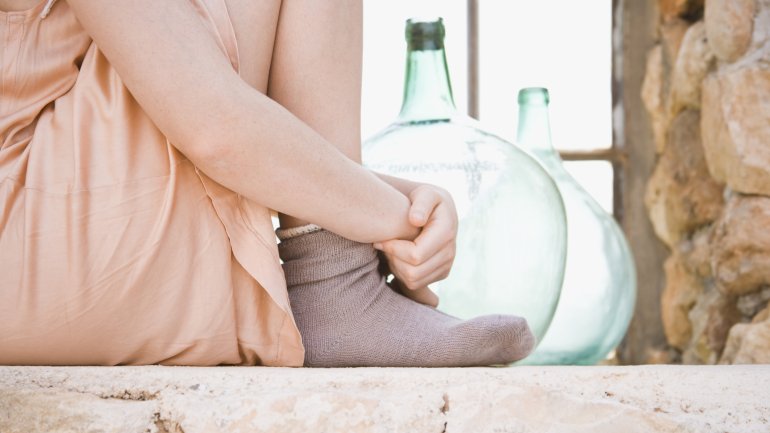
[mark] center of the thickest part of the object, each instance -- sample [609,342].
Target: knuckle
[411,275]
[444,274]
[415,257]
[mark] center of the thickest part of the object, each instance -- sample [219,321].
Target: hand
[428,258]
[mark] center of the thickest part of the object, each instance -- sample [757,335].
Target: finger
[423,295]
[438,235]
[436,276]
[411,275]
[397,248]
[413,254]
[424,201]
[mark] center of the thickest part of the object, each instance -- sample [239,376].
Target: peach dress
[114,248]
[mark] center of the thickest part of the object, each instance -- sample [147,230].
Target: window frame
[614,155]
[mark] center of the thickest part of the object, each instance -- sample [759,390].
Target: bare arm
[234,134]
[404,185]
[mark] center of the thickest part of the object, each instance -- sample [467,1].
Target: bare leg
[316,71]
[345,312]
[255,24]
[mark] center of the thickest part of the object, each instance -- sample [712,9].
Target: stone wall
[707,90]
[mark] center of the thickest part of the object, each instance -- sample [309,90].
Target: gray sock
[349,317]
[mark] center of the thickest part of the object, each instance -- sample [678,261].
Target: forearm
[275,149]
[405,186]
[239,137]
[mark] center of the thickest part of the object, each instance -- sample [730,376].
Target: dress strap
[47,9]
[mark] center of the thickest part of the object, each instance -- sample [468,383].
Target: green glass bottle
[599,292]
[511,244]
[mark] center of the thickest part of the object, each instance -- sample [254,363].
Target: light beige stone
[750,305]
[693,62]
[729,25]
[679,296]
[741,246]
[762,316]
[31,409]
[723,314]
[698,350]
[712,317]
[665,399]
[696,253]
[736,130]
[749,343]
[671,35]
[653,96]
[761,35]
[681,195]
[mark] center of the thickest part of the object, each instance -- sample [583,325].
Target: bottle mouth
[534,96]
[424,34]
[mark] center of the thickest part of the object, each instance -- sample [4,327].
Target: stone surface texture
[671,35]
[259,399]
[679,296]
[761,35]
[735,130]
[692,63]
[680,8]
[749,343]
[729,25]
[741,246]
[708,197]
[681,196]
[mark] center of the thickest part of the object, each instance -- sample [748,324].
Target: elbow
[203,147]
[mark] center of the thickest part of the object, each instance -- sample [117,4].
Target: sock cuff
[292,232]
[320,255]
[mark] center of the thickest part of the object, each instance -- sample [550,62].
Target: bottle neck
[534,132]
[427,91]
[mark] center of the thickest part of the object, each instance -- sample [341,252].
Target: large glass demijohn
[511,245]
[599,292]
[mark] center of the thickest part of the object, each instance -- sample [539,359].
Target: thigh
[255,24]
[316,68]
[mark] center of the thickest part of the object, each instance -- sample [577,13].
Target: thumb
[423,203]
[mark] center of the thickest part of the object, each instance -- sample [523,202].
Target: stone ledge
[260,399]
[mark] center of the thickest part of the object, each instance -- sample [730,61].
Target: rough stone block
[671,35]
[735,128]
[679,296]
[699,350]
[750,305]
[681,195]
[691,66]
[723,314]
[696,253]
[740,246]
[712,317]
[729,25]
[761,34]
[749,343]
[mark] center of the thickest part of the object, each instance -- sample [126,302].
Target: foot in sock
[349,317]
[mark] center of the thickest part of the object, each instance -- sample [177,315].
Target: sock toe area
[508,338]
